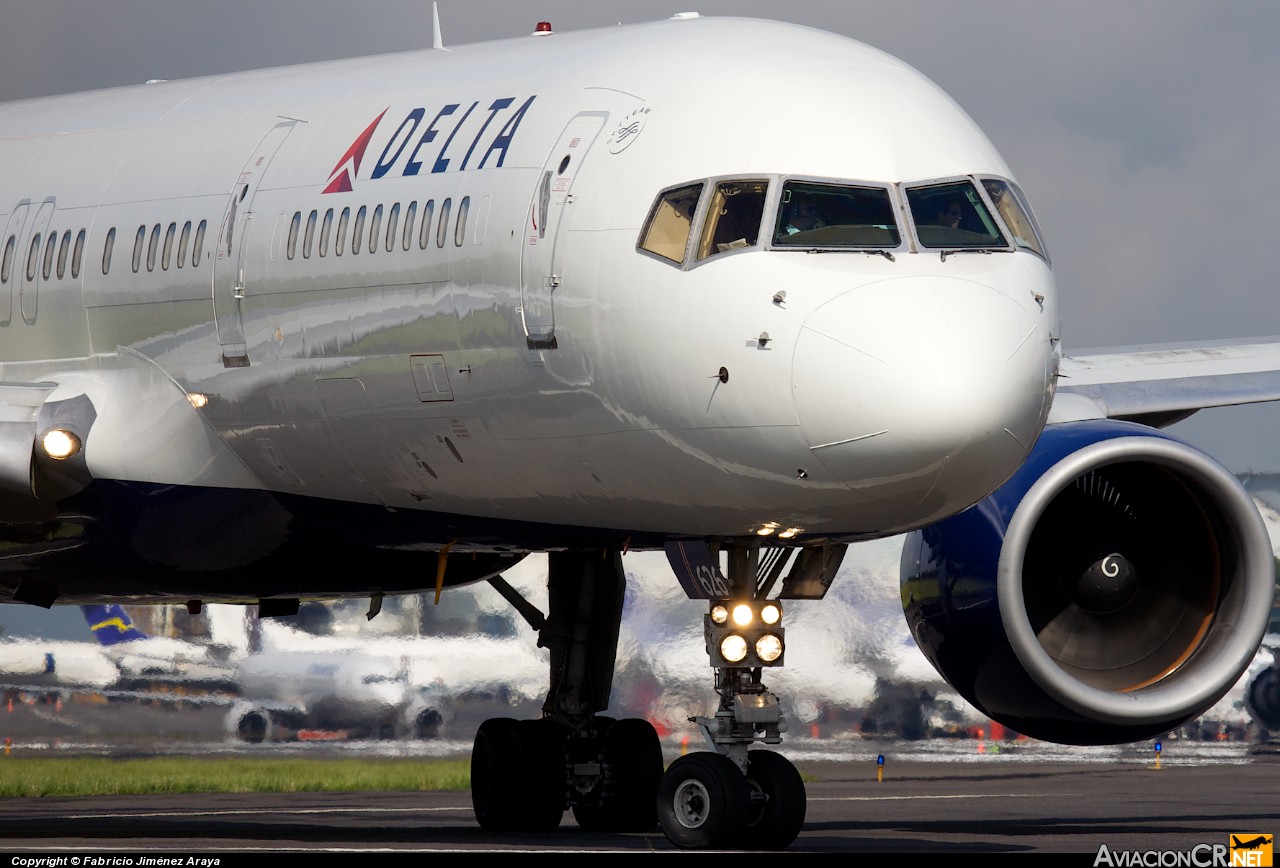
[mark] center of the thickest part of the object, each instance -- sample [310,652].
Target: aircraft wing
[1161,384]
[144,428]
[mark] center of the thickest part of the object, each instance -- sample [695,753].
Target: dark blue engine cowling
[1116,587]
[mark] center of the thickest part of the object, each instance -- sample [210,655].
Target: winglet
[437,41]
[111,625]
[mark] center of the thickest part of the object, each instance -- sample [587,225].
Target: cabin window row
[313,234]
[48,254]
[149,251]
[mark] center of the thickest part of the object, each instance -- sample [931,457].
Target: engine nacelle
[1262,698]
[249,723]
[1115,588]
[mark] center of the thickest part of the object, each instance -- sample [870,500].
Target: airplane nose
[922,391]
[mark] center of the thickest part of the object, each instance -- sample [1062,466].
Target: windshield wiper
[885,253]
[984,250]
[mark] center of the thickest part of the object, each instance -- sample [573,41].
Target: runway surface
[935,797]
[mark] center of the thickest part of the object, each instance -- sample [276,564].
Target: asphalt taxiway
[927,798]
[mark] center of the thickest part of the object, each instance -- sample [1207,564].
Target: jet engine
[249,723]
[1115,588]
[1262,698]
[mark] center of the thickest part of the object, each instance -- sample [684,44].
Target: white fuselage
[888,393]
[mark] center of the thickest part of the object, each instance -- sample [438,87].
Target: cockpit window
[830,215]
[953,216]
[666,232]
[733,217]
[1012,205]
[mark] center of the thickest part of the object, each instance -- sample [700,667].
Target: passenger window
[324,232]
[6,265]
[197,249]
[291,245]
[77,255]
[834,215]
[666,232]
[64,250]
[953,216]
[153,247]
[137,248]
[424,236]
[168,246]
[375,229]
[308,237]
[392,220]
[33,257]
[107,247]
[182,244]
[460,231]
[357,231]
[50,246]
[340,241]
[1012,205]
[410,213]
[442,226]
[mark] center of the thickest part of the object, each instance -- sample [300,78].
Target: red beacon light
[543,29]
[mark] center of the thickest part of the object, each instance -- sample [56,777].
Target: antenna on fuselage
[436,40]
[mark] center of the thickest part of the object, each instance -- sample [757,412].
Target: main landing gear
[525,774]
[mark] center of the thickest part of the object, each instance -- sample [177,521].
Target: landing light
[60,444]
[197,399]
[768,647]
[733,648]
[767,528]
[744,633]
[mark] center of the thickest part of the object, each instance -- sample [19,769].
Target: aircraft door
[14,253]
[37,251]
[541,268]
[228,267]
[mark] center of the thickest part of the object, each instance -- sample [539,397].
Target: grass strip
[100,776]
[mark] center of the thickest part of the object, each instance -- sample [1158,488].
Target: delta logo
[453,141]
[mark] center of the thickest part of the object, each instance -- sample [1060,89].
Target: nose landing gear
[609,772]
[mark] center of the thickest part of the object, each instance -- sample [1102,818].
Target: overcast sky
[1145,133]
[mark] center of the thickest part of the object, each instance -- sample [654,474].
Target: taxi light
[769,647]
[197,400]
[767,528]
[60,444]
[744,634]
[733,648]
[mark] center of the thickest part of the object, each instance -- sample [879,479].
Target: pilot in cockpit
[802,216]
[950,214]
